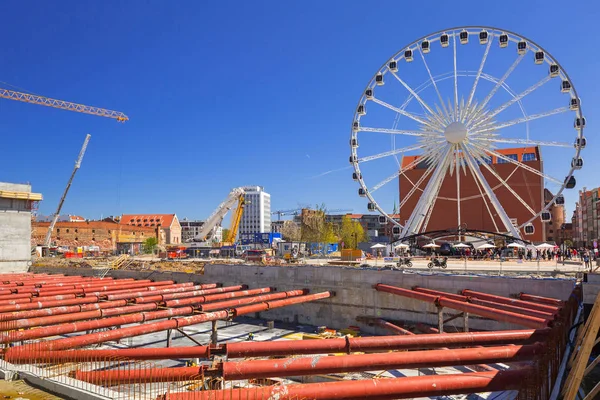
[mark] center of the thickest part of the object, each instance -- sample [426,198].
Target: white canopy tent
[460,246]
[515,245]
[544,246]
[431,246]
[486,246]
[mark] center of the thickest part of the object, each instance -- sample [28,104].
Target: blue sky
[224,94]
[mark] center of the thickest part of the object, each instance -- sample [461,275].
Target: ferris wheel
[454,105]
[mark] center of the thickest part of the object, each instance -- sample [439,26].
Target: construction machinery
[235,197]
[64,196]
[61,104]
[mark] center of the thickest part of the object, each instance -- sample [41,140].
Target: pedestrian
[251,336]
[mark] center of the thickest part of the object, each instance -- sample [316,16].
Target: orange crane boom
[61,104]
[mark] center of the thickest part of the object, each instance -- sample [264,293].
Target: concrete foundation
[355,295]
[15,230]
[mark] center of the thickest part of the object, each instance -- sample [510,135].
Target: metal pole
[440,319]
[466,320]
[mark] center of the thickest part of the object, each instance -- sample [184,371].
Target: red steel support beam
[174,323]
[192,301]
[395,388]
[221,305]
[22,354]
[47,304]
[145,298]
[317,365]
[60,310]
[539,299]
[491,304]
[495,314]
[508,300]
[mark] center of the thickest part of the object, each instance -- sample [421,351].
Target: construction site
[108,325]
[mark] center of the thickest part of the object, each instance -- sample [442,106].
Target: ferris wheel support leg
[425,201]
[490,193]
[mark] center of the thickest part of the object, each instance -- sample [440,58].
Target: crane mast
[62,199]
[217,216]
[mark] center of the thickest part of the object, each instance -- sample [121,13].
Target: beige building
[169,223]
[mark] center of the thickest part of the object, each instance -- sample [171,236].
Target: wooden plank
[583,349]
[594,392]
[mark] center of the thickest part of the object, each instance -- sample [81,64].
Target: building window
[528,156]
[76,238]
[109,231]
[76,230]
[551,231]
[67,230]
[93,231]
[57,230]
[504,161]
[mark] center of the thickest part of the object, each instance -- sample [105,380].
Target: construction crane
[299,211]
[61,104]
[236,196]
[64,196]
[235,220]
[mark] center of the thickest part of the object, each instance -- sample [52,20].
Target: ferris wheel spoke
[483,197]
[479,71]
[416,185]
[395,175]
[497,86]
[515,162]
[457,163]
[521,120]
[455,80]
[504,183]
[406,114]
[401,132]
[390,153]
[490,193]
[417,217]
[512,101]
[523,141]
[418,98]
[446,114]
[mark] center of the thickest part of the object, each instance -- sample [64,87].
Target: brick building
[586,218]
[168,222]
[528,185]
[108,236]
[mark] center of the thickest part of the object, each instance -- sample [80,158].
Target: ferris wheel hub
[456,132]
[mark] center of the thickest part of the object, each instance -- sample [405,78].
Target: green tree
[328,234]
[352,233]
[150,244]
[225,234]
[568,243]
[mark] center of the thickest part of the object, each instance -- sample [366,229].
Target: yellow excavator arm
[235,220]
[63,105]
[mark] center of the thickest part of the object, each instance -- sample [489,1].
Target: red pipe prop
[491,304]
[508,300]
[249,300]
[23,354]
[172,296]
[389,326]
[495,314]
[61,310]
[539,299]
[47,304]
[80,316]
[395,388]
[221,296]
[121,333]
[318,365]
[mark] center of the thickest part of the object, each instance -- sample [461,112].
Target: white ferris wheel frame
[432,125]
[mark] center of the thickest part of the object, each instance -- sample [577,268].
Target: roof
[164,220]
[76,218]
[519,151]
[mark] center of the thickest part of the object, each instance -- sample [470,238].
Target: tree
[225,234]
[150,244]
[328,234]
[568,243]
[290,231]
[352,233]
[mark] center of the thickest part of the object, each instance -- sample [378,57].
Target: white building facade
[257,211]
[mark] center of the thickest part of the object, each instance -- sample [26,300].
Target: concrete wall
[355,295]
[15,230]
